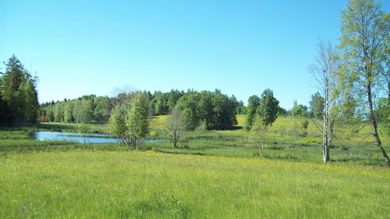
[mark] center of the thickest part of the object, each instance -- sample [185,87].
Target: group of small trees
[18,94]
[351,78]
[86,109]
[130,123]
[264,109]
[352,75]
[261,112]
[163,103]
[212,110]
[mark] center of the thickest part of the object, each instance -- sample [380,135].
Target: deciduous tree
[137,119]
[324,71]
[269,107]
[363,32]
[251,110]
[175,126]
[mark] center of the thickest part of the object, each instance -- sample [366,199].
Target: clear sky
[80,47]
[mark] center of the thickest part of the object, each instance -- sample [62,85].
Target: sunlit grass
[146,184]
[284,140]
[284,178]
[158,122]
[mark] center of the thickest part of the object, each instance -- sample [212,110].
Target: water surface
[78,137]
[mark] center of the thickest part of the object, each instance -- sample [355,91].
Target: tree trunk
[325,154]
[325,138]
[175,137]
[375,126]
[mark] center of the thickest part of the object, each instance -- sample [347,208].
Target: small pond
[78,137]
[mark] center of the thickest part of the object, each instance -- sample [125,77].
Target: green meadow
[149,184]
[167,109]
[219,174]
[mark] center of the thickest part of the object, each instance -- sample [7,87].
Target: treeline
[97,109]
[18,94]
[209,110]
[86,109]
[212,110]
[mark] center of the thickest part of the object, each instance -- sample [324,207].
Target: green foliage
[85,112]
[68,112]
[382,110]
[190,112]
[86,109]
[18,94]
[220,112]
[299,110]
[117,124]
[4,112]
[251,111]
[364,35]
[137,120]
[305,124]
[383,114]
[101,111]
[163,103]
[262,111]
[133,126]
[282,111]
[269,107]
[58,113]
[50,114]
[317,105]
[363,47]
[213,109]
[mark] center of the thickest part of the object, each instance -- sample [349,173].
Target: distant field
[154,185]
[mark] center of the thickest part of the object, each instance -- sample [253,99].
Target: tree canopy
[18,94]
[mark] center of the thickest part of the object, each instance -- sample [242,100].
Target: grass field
[222,174]
[148,184]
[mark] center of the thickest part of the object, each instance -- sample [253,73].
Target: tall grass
[83,184]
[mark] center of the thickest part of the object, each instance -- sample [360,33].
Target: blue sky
[240,47]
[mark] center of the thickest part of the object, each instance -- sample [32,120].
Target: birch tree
[363,37]
[175,126]
[324,71]
[137,119]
